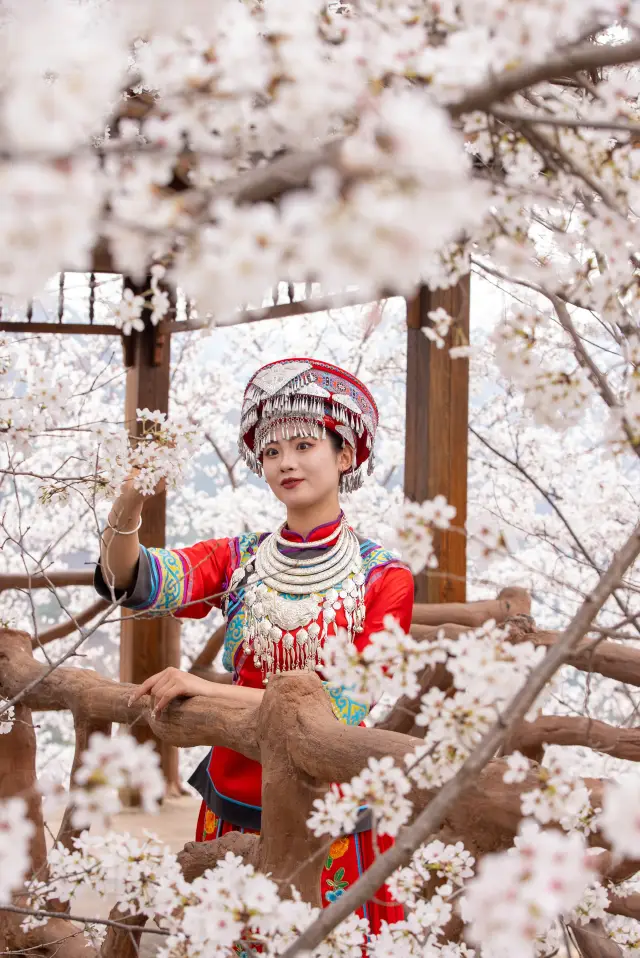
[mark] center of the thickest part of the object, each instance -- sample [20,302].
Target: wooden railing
[302,747]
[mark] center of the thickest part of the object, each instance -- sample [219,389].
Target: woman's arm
[171,683]
[118,551]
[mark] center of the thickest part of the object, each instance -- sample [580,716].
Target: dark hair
[336,440]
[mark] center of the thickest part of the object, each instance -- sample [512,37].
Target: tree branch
[587,56]
[511,116]
[432,817]
[551,500]
[510,601]
[66,628]
[16,910]
[530,737]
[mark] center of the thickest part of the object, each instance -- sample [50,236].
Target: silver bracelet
[120,532]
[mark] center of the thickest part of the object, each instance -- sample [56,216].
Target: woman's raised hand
[129,492]
[170,684]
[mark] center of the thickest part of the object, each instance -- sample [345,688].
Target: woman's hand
[168,685]
[129,493]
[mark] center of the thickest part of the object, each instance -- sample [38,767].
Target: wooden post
[150,645]
[436,432]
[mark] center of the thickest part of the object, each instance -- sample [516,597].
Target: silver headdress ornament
[305,397]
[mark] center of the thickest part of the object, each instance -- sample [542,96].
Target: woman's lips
[291,483]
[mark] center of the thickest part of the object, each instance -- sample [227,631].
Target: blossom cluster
[35,406]
[433,864]
[230,904]
[127,315]
[414,528]
[389,664]
[108,765]
[560,796]
[487,670]
[557,396]
[428,888]
[381,786]
[517,895]
[161,451]
[441,323]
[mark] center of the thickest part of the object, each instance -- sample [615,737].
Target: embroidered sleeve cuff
[346,709]
[162,582]
[134,597]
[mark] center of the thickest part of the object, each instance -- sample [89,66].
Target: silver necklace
[303,577]
[291,602]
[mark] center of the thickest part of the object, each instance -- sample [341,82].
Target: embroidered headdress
[305,397]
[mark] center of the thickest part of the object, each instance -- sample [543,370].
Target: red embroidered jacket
[189,582]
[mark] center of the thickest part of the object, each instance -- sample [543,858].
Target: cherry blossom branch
[572,166]
[598,378]
[37,913]
[516,117]
[516,464]
[432,817]
[587,57]
[294,170]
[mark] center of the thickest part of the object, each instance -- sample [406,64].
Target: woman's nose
[287,460]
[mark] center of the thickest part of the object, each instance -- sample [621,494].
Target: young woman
[309,428]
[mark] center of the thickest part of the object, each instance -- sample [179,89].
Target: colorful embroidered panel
[345,708]
[374,557]
[242,549]
[170,580]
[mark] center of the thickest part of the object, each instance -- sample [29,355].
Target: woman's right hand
[169,684]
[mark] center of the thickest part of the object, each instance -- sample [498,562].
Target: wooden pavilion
[437,391]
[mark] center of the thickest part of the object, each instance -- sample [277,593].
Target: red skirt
[348,858]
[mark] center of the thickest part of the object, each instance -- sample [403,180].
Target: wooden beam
[437,423]
[148,646]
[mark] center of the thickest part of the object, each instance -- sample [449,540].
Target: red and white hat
[305,397]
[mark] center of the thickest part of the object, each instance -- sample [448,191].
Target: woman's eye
[305,445]
[271,453]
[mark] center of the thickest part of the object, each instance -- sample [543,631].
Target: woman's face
[304,471]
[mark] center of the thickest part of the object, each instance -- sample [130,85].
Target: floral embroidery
[337,850]
[210,823]
[336,886]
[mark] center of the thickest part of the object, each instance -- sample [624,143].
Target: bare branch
[66,628]
[16,910]
[516,117]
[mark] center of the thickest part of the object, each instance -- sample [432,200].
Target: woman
[308,427]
